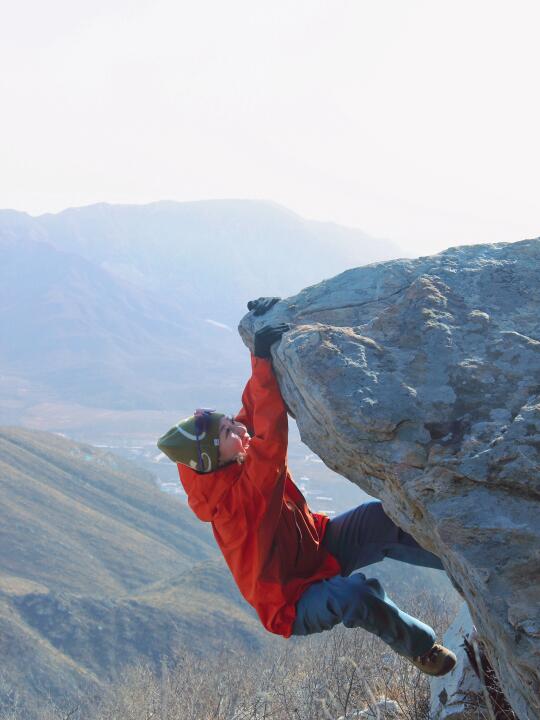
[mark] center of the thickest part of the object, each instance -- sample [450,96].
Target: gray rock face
[419,380]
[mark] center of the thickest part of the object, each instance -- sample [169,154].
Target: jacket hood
[205,490]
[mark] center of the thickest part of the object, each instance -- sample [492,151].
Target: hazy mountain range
[133,309]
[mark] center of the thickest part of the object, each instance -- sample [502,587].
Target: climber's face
[233,439]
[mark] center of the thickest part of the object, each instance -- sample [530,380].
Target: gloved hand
[262,304]
[266,337]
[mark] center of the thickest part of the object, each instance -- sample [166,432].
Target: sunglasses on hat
[202,420]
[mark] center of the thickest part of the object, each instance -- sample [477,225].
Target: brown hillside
[99,570]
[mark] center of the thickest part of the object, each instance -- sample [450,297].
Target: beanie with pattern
[194,441]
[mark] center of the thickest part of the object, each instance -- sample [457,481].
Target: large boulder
[419,380]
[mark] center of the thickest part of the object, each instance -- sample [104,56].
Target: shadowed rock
[419,380]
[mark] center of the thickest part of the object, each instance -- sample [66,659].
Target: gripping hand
[262,304]
[266,337]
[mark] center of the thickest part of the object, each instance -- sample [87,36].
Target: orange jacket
[267,534]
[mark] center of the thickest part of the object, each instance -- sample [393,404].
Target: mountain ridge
[134,307]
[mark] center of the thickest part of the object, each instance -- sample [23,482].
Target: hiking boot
[437,661]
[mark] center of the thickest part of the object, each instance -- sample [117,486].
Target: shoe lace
[430,656]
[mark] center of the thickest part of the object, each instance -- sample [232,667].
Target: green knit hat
[194,441]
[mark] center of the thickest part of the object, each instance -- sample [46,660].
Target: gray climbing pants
[356,538]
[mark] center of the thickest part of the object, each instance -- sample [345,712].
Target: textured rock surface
[419,380]
[453,695]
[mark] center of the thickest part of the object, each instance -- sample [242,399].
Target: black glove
[266,337]
[262,305]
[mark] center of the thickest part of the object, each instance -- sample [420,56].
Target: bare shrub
[321,677]
[315,678]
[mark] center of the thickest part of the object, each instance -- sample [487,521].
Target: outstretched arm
[258,307]
[265,415]
[263,410]
[264,339]
[264,471]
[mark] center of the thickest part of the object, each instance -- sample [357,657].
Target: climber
[294,566]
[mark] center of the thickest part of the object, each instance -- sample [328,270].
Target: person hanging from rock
[295,567]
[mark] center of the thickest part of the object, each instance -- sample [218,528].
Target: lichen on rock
[419,380]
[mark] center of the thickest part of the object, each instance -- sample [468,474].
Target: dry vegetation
[322,677]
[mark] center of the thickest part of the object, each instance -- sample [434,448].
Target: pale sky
[415,120]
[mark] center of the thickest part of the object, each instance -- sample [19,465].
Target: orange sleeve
[245,414]
[265,415]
